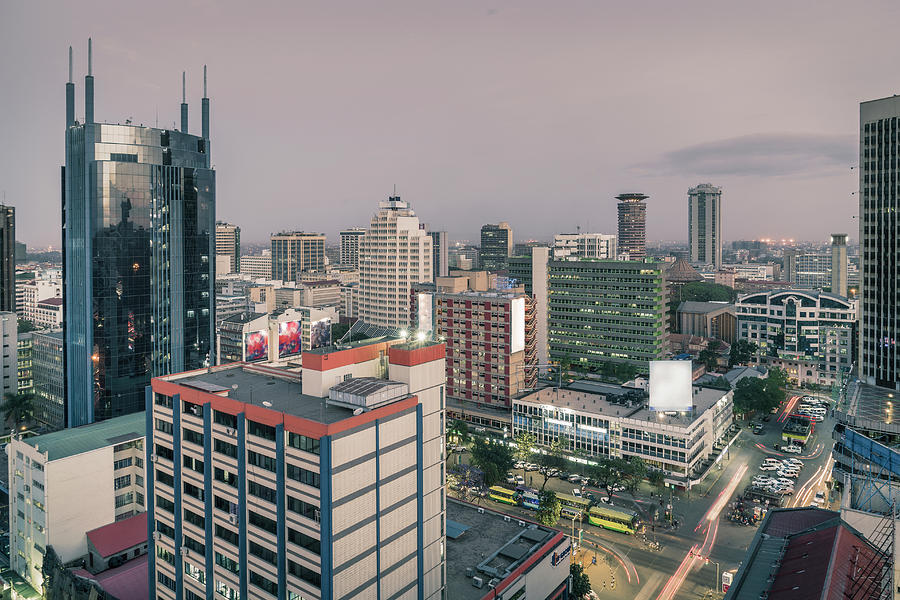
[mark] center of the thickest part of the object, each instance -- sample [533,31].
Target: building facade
[330,488]
[295,252]
[708,319]
[632,238]
[284,335]
[530,271]
[48,377]
[257,266]
[9,357]
[839,264]
[7,258]
[33,292]
[139,208]
[705,224]
[350,246]
[496,246]
[808,270]
[440,255]
[394,254]
[49,313]
[806,327]
[228,243]
[606,310]
[24,363]
[572,246]
[66,483]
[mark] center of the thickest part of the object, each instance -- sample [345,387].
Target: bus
[529,500]
[615,519]
[572,507]
[501,494]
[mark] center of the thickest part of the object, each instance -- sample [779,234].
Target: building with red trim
[324,484]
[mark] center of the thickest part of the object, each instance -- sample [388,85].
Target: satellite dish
[357,412]
[267,404]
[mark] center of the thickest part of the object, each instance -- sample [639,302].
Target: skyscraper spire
[204,111]
[184,106]
[70,95]
[89,88]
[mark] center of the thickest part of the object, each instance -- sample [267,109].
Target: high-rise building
[7,258]
[228,243]
[9,354]
[350,246]
[572,246]
[295,252]
[530,271]
[705,224]
[139,206]
[440,261]
[879,328]
[839,265]
[48,377]
[258,266]
[632,236]
[607,311]
[496,246]
[24,363]
[323,484]
[394,254]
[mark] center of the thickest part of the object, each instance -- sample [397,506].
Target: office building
[230,305]
[282,335]
[228,243]
[705,224]
[496,246]
[707,319]
[440,255]
[879,328]
[530,271]
[632,238]
[349,302]
[350,246]
[49,313]
[839,264]
[394,254]
[810,334]
[139,206]
[572,246]
[606,310]
[7,258]
[34,291]
[808,270]
[48,377]
[295,252]
[21,253]
[9,357]
[24,366]
[66,483]
[325,485]
[258,266]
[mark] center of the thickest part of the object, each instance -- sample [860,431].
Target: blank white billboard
[671,385]
[517,325]
[426,321]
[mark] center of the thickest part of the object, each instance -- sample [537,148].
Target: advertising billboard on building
[256,346]
[517,325]
[320,333]
[426,320]
[288,338]
[671,385]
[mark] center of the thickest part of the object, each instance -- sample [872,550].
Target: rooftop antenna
[70,95]
[89,86]
[204,111]
[184,106]
[70,64]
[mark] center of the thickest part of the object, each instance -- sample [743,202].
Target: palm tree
[18,408]
[458,432]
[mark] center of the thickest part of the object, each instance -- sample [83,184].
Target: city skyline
[534,127]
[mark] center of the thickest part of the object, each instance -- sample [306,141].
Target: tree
[465,479]
[581,583]
[720,384]
[742,352]
[338,330]
[494,459]
[634,473]
[18,408]
[458,432]
[550,507]
[754,394]
[24,326]
[775,386]
[608,472]
[657,479]
[553,458]
[525,441]
[702,291]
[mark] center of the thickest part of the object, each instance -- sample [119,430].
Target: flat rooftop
[704,398]
[78,440]
[871,403]
[482,540]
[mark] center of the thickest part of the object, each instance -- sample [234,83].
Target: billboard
[288,338]
[256,345]
[517,325]
[426,319]
[320,333]
[671,385]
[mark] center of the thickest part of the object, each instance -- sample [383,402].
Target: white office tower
[394,253]
[705,224]
[573,246]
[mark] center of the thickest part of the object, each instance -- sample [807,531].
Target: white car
[510,478]
[784,481]
[763,481]
[819,499]
[792,449]
[769,467]
[574,478]
[520,480]
[788,474]
[576,492]
[789,464]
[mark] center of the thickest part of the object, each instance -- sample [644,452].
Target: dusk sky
[536,113]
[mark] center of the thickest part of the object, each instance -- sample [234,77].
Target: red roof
[128,581]
[121,535]
[51,301]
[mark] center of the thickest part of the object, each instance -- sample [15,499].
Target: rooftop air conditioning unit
[521,523]
[478,582]
[470,572]
[185,551]
[506,518]
[480,511]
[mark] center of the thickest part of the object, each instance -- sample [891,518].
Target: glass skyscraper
[139,241]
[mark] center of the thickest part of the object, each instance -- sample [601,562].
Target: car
[819,499]
[510,478]
[606,500]
[618,487]
[767,418]
[518,465]
[520,480]
[763,481]
[782,489]
[531,467]
[574,478]
[788,474]
[576,492]
[758,430]
[562,475]
[553,472]
[769,467]
[793,462]
[792,449]
[480,429]
[784,481]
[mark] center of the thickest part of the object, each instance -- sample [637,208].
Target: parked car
[562,475]
[769,467]
[576,492]
[520,480]
[510,478]
[792,449]
[819,499]
[762,480]
[784,481]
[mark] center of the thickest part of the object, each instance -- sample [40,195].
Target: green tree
[742,352]
[494,459]
[525,441]
[458,432]
[24,326]
[18,408]
[581,583]
[709,357]
[607,472]
[553,457]
[550,507]
[775,387]
[657,479]
[634,474]
[702,291]
[338,330]
[754,394]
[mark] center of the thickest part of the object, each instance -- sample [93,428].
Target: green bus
[501,494]
[572,507]
[615,519]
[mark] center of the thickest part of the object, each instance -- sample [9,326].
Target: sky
[535,113]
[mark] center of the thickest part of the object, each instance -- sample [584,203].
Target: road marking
[650,586]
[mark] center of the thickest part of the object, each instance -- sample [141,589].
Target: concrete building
[600,420]
[705,224]
[839,264]
[808,270]
[329,488]
[350,246]
[228,243]
[49,378]
[349,302]
[230,305]
[606,310]
[708,319]
[253,337]
[9,357]
[7,258]
[66,483]
[801,331]
[394,254]
[257,266]
[530,271]
[24,363]
[440,256]
[295,252]
[632,234]
[496,246]
[49,313]
[572,246]
[33,292]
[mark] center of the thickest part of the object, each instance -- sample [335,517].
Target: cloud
[764,154]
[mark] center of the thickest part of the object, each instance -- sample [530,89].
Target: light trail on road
[789,407]
[806,495]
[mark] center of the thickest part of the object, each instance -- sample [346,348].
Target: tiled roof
[121,535]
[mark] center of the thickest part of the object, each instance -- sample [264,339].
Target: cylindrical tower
[633,225]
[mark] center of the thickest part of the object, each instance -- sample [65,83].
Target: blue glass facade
[138,237]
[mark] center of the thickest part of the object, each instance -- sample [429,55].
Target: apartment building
[350,246]
[9,354]
[271,485]
[572,246]
[228,244]
[48,377]
[66,483]
[34,292]
[257,266]
[295,252]
[49,313]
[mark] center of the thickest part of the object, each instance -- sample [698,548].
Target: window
[194,437]
[304,541]
[165,504]
[121,464]
[225,419]
[163,477]
[124,499]
[194,519]
[262,552]
[261,491]
[302,475]
[189,595]
[225,476]
[228,593]
[37,466]
[261,430]
[225,505]
[164,401]
[263,583]
[303,508]
[301,442]
[192,463]
[193,491]
[165,555]
[194,572]
[261,460]
[227,535]
[263,522]
[122,482]
[165,580]
[228,563]
[223,447]
[165,452]
[304,573]
[193,545]
[163,426]
[164,529]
